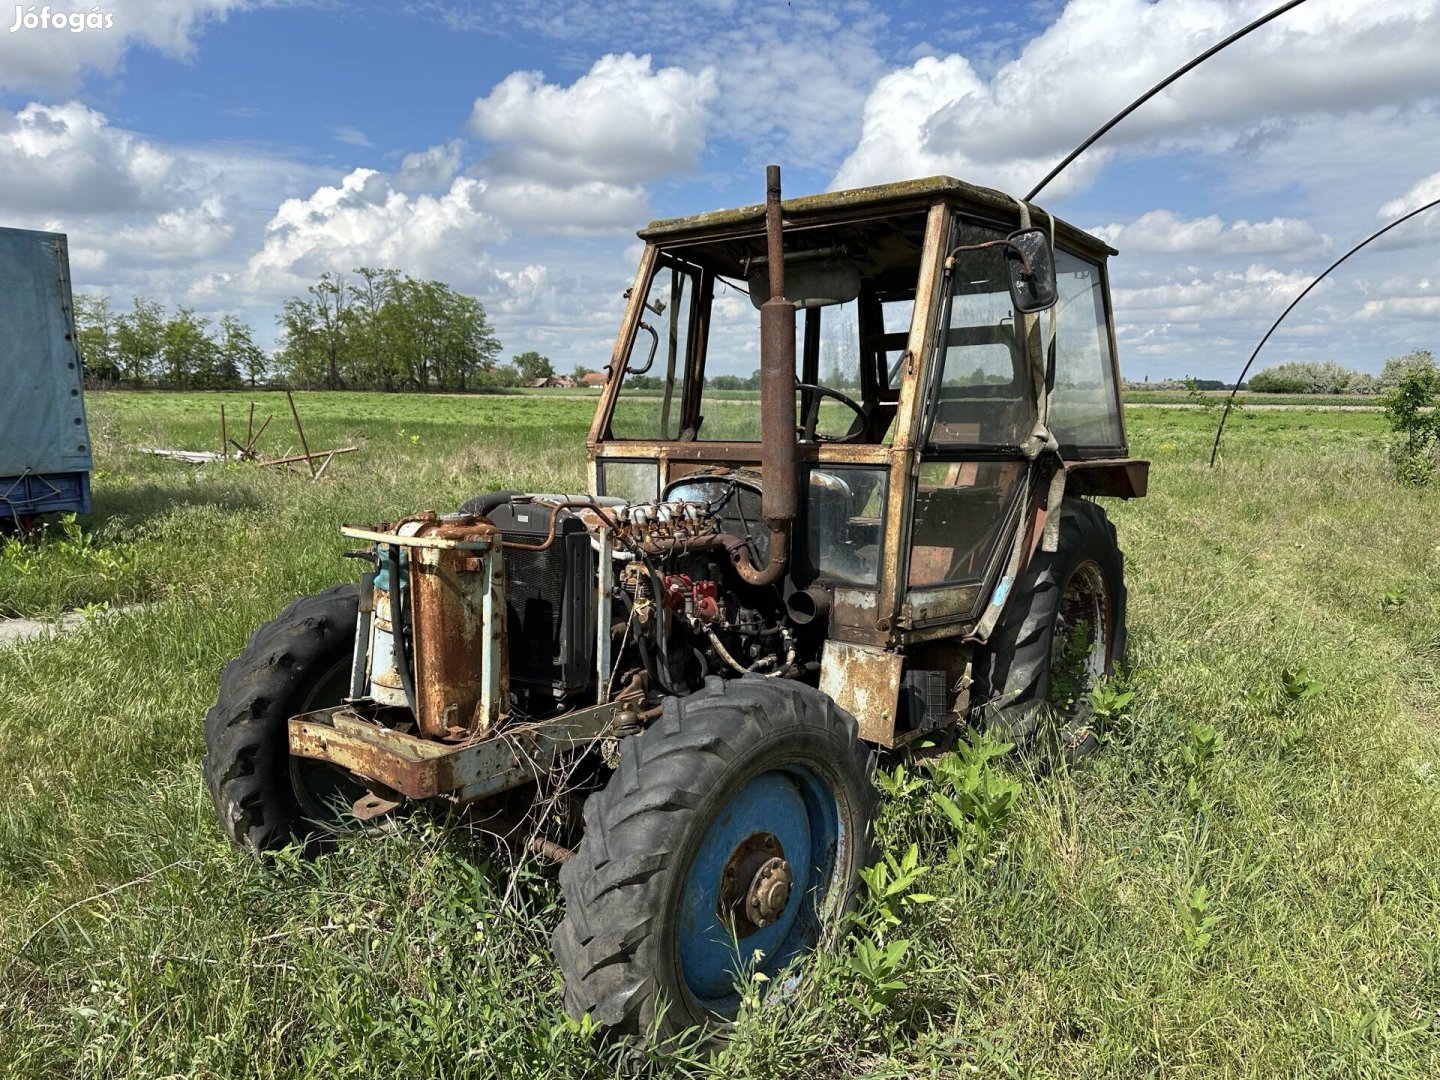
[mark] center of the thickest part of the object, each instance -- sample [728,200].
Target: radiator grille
[535,599]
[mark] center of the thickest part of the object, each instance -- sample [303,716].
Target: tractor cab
[932,404]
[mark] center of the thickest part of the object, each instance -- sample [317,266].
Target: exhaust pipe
[779,475]
[778,470]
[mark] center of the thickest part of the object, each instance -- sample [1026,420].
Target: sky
[221,154]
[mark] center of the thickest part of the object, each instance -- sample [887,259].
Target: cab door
[978,407]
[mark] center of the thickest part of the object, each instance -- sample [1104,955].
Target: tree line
[377,329]
[1309,377]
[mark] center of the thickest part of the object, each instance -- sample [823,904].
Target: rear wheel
[296,663]
[729,840]
[1065,630]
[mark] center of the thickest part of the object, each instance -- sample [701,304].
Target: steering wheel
[810,395]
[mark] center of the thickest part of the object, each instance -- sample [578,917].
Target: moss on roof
[837,204]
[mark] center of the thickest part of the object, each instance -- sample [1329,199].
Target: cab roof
[866,201]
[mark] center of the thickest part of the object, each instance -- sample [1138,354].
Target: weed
[974,793]
[1197,920]
[1298,685]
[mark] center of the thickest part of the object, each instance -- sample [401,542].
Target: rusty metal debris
[247,451]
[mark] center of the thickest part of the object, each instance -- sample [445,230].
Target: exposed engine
[676,609]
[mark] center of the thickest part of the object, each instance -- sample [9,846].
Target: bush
[1411,408]
[1312,378]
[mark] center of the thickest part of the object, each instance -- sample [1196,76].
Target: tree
[187,350]
[371,345]
[329,307]
[532,366]
[581,371]
[138,337]
[389,331]
[95,327]
[301,355]
[1398,367]
[239,355]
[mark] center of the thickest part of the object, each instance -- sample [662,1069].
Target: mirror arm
[1010,244]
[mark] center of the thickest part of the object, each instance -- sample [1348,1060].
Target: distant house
[593,378]
[562,382]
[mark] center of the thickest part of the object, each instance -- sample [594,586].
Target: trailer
[45,456]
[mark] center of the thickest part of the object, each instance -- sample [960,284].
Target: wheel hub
[769,892]
[755,884]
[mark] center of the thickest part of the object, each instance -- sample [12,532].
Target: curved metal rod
[1215,450]
[654,344]
[1123,113]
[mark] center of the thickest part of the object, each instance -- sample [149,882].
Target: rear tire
[1017,673]
[300,661]
[745,775]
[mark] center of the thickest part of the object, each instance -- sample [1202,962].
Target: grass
[1245,881]
[1216,399]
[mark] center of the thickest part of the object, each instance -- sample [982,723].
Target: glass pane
[844,515]
[730,410]
[633,481]
[1083,410]
[960,508]
[983,396]
[651,399]
[896,316]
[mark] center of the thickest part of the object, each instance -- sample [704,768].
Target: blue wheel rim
[800,811]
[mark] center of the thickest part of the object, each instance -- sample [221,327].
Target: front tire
[1065,630]
[751,797]
[298,662]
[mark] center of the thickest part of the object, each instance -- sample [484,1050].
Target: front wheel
[730,840]
[296,663]
[1065,631]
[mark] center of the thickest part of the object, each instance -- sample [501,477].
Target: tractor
[702,654]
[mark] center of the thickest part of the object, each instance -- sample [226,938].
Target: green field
[1245,881]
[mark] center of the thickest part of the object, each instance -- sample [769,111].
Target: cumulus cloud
[431,168]
[66,158]
[1218,295]
[587,206]
[574,157]
[1424,191]
[1328,56]
[53,59]
[1165,232]
[621,122]
[1423,307]
[186,233]
[791,77]
[367,221]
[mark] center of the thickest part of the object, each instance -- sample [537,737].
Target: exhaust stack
[780,477]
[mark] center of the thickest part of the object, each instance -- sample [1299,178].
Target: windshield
[693,370]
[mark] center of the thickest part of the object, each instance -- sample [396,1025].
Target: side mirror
[1032,288]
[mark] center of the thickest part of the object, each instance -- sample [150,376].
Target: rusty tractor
[900,538]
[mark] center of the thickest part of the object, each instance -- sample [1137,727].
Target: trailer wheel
[1064,631]
[299,661]
[730,840]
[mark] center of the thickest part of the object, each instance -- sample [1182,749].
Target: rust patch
[865,682]
[448,588]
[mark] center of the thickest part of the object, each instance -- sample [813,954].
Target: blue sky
[221,153]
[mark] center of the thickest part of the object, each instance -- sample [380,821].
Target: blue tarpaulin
[42,406]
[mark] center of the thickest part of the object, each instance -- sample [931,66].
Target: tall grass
[1245,881]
